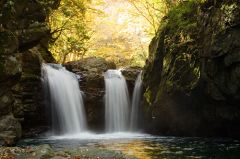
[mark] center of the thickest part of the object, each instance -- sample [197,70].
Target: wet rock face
[191,78]
[10,129]
[221,68]
[91,72]
[130,75]
[24,38]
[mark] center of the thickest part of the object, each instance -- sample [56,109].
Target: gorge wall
[24,37]
[192,77]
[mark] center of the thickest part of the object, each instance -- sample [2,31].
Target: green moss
[148,96]
[7,42]
[1,67]
[183,17]
[160,91]
[4,36]
[8,10]
[180,62]
[30,77]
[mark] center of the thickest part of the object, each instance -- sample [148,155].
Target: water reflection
[154,147]
[133,148]
[175,148]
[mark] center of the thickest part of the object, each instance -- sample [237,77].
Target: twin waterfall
[68,113]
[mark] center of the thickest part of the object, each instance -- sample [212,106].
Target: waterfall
[136,103]
[68,114]
[116,102]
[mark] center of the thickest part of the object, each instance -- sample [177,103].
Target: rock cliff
[24,36]
[192,77]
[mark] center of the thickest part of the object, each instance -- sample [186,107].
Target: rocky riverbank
[46,152]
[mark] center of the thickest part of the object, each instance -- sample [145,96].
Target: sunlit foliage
[120,34]
[69,29]
[117,30]
[152,11]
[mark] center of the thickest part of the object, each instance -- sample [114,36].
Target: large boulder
[130,74]
[6,102]
[10,130]
[192,76]
[10,67]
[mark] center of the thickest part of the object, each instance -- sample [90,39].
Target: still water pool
[144,146]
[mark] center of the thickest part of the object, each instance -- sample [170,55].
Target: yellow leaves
[7,156]
[118,33]
[69,30]
[117,29]
[9,153]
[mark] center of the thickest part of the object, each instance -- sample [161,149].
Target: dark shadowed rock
[130,75]
[6,102]
[24,37]
[192,75]
[10,130]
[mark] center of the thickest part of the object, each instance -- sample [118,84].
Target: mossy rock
[8,43]
[10,129]
[193,70]
[10,66]
[6,102]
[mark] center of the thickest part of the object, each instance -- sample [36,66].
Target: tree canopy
[117,30]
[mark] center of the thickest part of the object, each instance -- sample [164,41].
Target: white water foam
[116,102]
[104,136]
[68,114]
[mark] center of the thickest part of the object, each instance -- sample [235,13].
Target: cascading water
[68,114]
[116,102]
[135,103]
